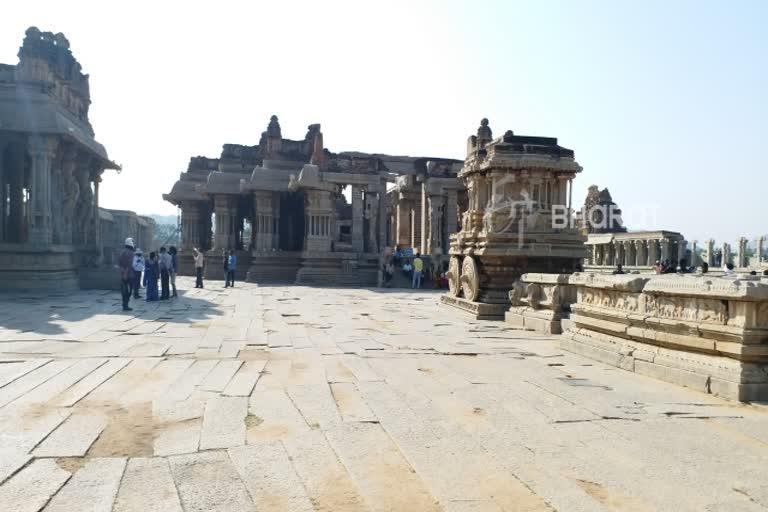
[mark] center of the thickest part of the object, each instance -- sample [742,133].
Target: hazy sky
[664,102]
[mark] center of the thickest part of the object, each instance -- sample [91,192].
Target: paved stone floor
[293,398]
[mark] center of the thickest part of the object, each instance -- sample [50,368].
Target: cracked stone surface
[294,398]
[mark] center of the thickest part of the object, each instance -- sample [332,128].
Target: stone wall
[708,333]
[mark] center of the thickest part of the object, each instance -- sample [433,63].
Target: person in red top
[126,272]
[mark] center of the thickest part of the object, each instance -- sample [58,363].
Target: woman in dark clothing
[151,273]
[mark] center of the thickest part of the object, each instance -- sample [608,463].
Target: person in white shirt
[166,267]
[138,269]
[199,264]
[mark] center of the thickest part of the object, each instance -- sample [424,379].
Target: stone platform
[709,333]
[301,398]
[478,310]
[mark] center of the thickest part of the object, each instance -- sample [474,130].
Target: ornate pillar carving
[358,245]
[70,191]
[41,151]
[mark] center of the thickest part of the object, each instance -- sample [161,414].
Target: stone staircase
[341,269]
[274,267]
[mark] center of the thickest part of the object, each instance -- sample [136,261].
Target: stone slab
[93,488]
[147,486]
[270,477]
[224,423]
[73,437]
[220,376]
[245,379]
[32,487]
[208,481]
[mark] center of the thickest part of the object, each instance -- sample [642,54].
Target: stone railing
[708,333]
[540,302]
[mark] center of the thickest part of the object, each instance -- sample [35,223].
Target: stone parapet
[710,333]
[540,302]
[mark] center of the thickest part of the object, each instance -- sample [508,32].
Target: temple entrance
[291,227]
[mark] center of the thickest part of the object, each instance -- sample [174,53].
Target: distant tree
[166,234]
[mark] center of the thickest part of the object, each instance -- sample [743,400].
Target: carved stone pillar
[681,246]
[41,152]
[190,225]
[760,248]
[653,252]
[319,221]
[70,191]
[276,220]
[403,221]
[358,245]
[710,252]
[383,213]
[372,216]
[451,213]
[742,253]
[665,249]
[694,253]
[224,237]
[264,220]
[726,254]
[415,240]
[435,240]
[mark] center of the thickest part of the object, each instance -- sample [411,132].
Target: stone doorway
[291,227]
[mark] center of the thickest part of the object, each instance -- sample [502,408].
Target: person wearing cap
[138,268]
[126,272]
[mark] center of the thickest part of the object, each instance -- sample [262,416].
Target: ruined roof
[47,93]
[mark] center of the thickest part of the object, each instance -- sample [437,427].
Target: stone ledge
[480,310]
[719,376]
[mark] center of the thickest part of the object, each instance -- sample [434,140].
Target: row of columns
[49,193]
[637,253]
[368,221]
[425,221]
[741,260]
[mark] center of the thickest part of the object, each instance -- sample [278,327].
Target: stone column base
[479,310]
[539,320]
[27,267]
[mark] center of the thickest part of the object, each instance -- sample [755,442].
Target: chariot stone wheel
[470,279]
[454,270]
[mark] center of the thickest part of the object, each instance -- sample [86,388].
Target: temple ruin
[281,205]
[50,168]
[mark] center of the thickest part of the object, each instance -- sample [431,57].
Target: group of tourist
[413,267]
[136,270]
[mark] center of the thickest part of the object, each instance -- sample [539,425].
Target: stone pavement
[294,398]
